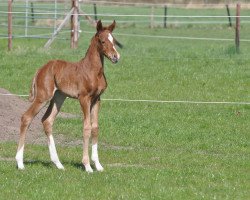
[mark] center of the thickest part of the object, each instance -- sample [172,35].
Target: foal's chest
[97,86]
[101,84]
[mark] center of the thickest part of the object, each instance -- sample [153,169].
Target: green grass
[148,150]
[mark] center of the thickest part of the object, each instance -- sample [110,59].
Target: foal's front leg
[95,130]
[85,105]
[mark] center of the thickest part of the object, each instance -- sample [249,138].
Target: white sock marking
[111,39]
[53,154]
[19,158]
[94,152]
[95,158]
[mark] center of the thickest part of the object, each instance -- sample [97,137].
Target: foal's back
[71,78]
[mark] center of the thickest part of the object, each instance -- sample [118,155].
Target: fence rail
[158,101]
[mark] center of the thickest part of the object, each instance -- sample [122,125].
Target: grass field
[148,150]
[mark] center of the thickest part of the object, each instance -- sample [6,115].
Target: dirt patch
[11,109]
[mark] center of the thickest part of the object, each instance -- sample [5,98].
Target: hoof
[20,166]
[99,167]
[88,168]
[59,166]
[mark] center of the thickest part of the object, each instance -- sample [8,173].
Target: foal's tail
[33,88]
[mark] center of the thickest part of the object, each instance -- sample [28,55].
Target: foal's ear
[99,26]
[112,26]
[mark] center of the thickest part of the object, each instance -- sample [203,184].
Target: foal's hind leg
[26,120]
[48,120]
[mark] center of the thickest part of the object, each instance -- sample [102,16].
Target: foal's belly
[74,91]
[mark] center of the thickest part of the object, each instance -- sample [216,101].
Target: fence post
[65,20]
[237,28]
[9,25]
[55,16]
[229,16]
[95,12]
[32,12]
[74,24]
[165,16]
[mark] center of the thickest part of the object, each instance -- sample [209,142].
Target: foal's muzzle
[114,59]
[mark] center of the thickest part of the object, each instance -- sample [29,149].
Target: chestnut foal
[83,80]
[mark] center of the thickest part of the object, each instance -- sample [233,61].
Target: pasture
[149,150]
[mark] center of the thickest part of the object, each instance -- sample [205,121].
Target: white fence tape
[156,101]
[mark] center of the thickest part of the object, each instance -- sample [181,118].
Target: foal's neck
[93,58]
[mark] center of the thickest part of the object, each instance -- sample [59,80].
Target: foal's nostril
[114,59]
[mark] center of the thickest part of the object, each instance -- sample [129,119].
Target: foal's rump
[56,75]
[43,84]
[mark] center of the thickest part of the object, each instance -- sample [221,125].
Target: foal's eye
[103,42]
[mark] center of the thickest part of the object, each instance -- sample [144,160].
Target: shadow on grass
[78,165]
[49,164]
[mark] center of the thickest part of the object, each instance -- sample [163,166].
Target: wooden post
[55,15]
[237,28]
[165,16]
[65,20]
[74,24]
[9,25]
[229,16]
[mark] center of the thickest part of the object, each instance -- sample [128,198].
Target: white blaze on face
[111,39]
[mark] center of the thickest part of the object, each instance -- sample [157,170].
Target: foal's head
[106,41]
